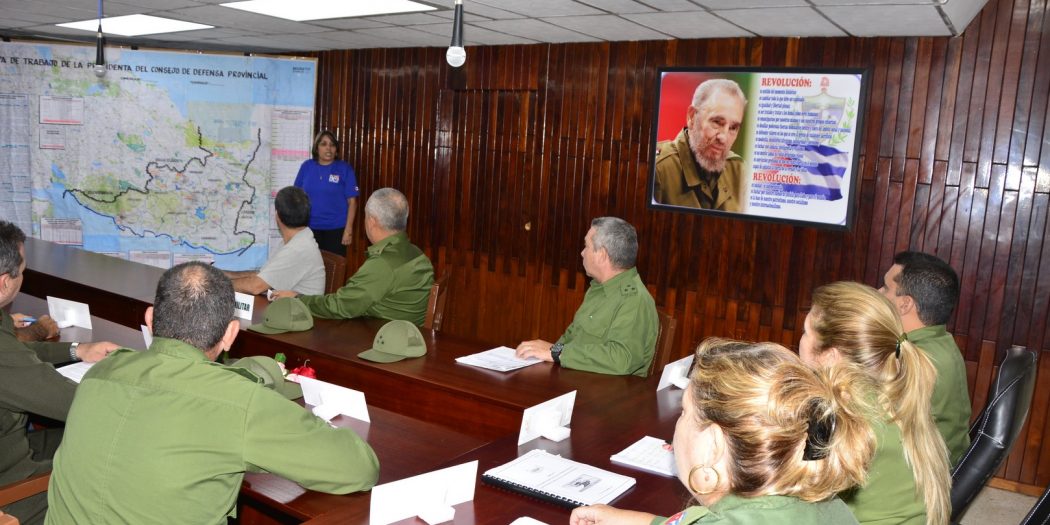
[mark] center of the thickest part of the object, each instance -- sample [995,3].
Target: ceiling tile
[349,23]
[607,27]
[619,6]
[476,36]
[226,17]
[786,21]
[412,19]
[542,8]
[535,29]
[474,11]
[695,24]
[672,5]
[742,4]
[888,20]
[409,36]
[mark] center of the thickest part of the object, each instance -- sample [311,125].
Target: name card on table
[429,496]
[676,373]
[245,305]
[68,313]
[549,419]
[331,400]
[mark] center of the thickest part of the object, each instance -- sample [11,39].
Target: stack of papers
[500,359]
[558,480]
[648,454]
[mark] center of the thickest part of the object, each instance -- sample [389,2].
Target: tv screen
[769,144]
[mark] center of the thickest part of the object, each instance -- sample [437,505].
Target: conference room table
[433,388]
[427,412]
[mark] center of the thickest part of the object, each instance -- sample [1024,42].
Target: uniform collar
[177,349]
[396,238]
[927,332]
[613,285]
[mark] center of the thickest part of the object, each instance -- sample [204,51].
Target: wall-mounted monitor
[762,144]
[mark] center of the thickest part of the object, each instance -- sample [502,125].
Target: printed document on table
[500,359]
[648,454]
[543,474]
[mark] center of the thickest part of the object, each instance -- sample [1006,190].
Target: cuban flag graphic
[821,168]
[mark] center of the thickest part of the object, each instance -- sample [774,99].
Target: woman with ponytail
[763,439]
[853,326]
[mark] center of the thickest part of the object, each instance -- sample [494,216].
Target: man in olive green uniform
[394,281]
[925,290]
[29,384]
[698,169]
[614,330]
[167,434]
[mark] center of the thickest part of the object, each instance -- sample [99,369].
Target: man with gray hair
[698,169]
[393,282]
[614,330]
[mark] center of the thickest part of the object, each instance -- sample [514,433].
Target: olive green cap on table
[267,369]
[395,341]
[286,314]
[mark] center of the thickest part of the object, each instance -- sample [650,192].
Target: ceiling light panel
[135,25]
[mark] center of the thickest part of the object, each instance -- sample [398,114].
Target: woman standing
[762,439]
[853,326]
[332,188]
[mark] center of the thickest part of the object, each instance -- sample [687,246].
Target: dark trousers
[43,444]
[330,241]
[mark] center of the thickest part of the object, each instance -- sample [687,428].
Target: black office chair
[994,431]
[1040,513]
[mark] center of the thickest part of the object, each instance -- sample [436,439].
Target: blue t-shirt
[328,188]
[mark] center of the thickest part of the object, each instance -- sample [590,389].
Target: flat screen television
[761,144]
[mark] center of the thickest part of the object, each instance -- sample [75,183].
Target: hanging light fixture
[100,55]
[456,55]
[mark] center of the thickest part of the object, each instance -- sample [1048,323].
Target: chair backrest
[664,342]
[436,302]
[334,271]
[1040,513]
[996,429]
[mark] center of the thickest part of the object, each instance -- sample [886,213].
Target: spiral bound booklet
[561,481]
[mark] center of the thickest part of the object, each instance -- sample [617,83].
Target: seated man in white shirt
[298,264]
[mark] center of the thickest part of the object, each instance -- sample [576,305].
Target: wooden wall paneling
[907,208]
[963,98]
[995,252]
[1041,402]
[1038,123]
[958,258]
[934,75]
[1016,23]
[1040,337]
[978,96]
[1030,225]
[948,94]
[902,128]
[971,312]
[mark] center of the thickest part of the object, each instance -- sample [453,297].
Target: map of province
[206,191]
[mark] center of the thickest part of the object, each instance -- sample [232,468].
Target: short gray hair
[389,208]
[708,88]
[619,240]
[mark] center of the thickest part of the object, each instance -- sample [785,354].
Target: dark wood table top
[596,435]
[433,388]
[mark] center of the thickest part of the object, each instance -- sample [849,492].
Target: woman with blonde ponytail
[853,326]
[763,439]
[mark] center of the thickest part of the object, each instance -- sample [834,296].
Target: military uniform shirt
[680,181]
[28,384]
[165,436]
[888,497]
[393,283]
[614,330]
[761,510]
[950,403]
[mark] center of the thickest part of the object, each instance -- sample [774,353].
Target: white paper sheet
[542,472]
[405,498]
[75,371]
[648,454]
[68,313]
[500,359]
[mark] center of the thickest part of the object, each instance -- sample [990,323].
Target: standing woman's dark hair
[331,185]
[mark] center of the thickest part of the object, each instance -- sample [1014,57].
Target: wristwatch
[556,349]
[73,351]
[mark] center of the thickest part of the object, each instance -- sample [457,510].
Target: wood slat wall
[506,161]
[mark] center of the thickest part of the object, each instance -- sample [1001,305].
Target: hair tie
[818,436]
[900,339]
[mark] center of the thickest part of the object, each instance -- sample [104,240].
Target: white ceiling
[494,22]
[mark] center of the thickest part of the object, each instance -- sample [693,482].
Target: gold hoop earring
[689,479]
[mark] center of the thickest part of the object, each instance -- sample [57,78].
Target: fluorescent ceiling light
[301,10]
[135,25]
